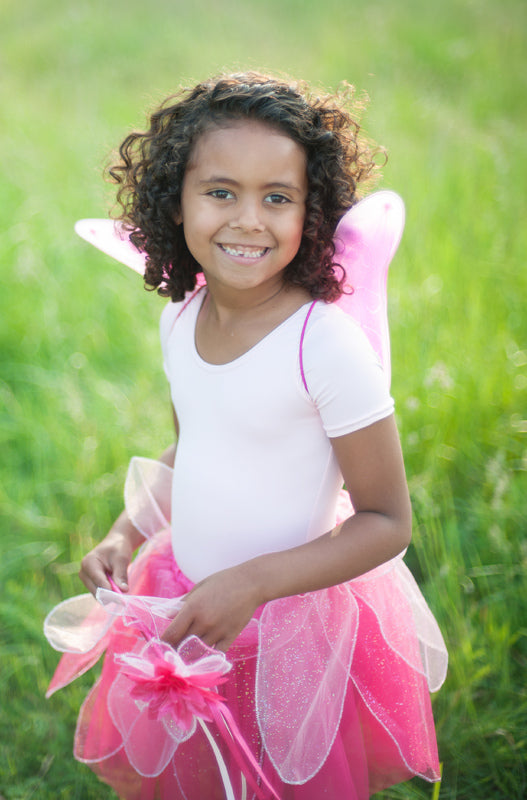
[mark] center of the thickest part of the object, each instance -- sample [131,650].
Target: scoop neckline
[235,361]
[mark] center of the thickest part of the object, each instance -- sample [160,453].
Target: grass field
[78,396]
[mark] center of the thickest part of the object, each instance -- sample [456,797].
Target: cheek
[194,243]
[189,234]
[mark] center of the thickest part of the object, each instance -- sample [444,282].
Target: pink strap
[183,307]
[300,356]
[189,300]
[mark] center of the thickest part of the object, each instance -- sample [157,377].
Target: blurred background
[81,383]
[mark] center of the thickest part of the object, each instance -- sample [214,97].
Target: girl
[278,400]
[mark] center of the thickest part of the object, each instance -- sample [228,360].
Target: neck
[228,304]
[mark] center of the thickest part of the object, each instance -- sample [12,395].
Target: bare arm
[372,465]
[113,554]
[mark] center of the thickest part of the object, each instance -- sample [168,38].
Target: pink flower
[170,686]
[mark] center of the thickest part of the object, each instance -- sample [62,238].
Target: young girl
[278,401]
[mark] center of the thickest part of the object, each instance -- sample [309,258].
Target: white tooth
[243,252]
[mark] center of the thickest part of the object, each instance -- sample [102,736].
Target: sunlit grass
[81,384]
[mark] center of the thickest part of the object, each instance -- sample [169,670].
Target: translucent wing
[366,240]
[109,236]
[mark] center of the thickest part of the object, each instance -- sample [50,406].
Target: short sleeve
[344,377]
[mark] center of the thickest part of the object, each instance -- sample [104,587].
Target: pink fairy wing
[109,236]
[366,240]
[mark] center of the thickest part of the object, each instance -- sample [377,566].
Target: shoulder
[331,330]
[344,376]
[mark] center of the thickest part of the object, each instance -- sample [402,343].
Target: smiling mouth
[243,252]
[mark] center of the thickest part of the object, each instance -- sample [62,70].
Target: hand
[112,557]
[217,609]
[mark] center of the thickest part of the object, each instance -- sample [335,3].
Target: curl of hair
[152,167]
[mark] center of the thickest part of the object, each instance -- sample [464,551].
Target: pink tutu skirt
[330,690]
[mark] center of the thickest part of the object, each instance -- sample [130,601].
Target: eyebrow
[268,186]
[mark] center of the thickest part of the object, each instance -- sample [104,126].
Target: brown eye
[277,199]
[221,194]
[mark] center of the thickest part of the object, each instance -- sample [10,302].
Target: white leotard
[254,470]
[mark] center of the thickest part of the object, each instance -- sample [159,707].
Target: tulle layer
[330,689]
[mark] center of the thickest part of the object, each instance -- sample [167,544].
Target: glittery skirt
[330,689]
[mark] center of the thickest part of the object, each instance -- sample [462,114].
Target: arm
[371,462]
[113,554]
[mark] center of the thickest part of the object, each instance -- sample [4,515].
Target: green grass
[79,397]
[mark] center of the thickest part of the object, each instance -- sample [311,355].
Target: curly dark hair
[153,163]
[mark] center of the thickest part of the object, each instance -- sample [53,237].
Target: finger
[178,628]
[93,574]
[89,580]
[119,573]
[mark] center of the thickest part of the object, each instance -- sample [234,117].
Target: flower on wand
[170,685]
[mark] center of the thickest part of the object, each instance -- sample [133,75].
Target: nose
[247,216]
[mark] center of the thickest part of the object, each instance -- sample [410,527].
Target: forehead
[248,144]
